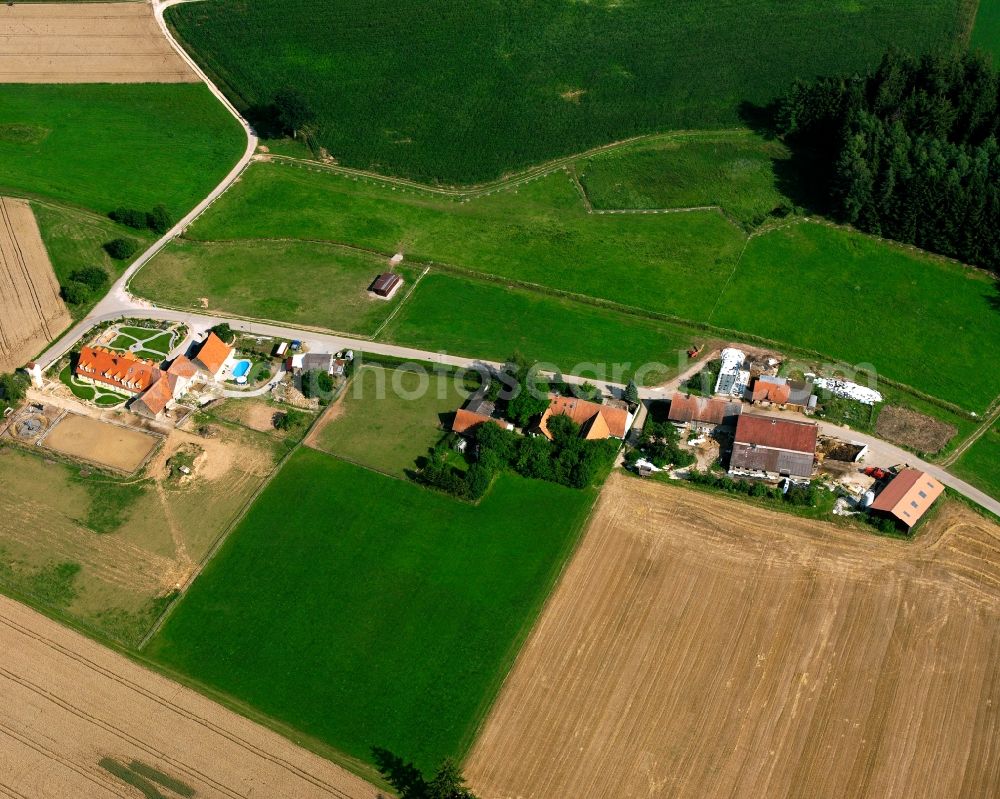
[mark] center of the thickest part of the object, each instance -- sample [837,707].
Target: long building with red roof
[121,370]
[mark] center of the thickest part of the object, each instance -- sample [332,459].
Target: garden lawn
[487,320]
[306,283]
[986,33]
[919,320]
[367,611]
[390,428]
[101,145]
[980,463]
[539,233]
[737,171]
[470,89]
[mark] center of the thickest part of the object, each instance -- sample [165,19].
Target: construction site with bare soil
[86,43]
[698,647]
[31,311]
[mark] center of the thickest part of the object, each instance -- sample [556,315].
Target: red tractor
[876,472]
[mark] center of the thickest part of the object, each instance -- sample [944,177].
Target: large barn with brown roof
[765,446]
[908,497]
[702,412]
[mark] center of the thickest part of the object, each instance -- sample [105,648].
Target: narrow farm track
[67,701]
[988,422]
[697,646]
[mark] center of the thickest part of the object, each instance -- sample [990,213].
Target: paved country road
[66,702]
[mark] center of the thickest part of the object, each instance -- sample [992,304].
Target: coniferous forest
[908,152]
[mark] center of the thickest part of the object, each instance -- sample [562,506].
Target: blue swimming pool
[240,370]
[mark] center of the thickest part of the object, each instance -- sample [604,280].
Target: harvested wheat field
[69,705]
[86,43]
[31,311]
[102,443]
[701,647]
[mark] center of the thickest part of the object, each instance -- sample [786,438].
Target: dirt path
[66,702]
[700,647]
[987,423]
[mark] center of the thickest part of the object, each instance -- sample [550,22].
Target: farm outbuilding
[771,448]
[702,413]
[907,497]
[386,284]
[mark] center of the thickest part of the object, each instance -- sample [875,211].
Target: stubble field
[31,310]
[86,43]
[700,647]
[69,706]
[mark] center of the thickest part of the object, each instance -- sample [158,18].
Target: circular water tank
[867,499]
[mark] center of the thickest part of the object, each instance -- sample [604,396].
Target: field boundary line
[972,438]
[511,178]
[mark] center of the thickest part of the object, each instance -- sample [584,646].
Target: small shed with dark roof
[386,284]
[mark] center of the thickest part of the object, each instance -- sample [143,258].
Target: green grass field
[980,464]
[306,283]
[481,319]
[463,91]
[387,422]
[986,33]
[737,171]
[101,146]
[367,611]
[74,239]
[924,322]
[539,233]
[805,286]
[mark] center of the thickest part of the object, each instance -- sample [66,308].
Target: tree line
[908,151]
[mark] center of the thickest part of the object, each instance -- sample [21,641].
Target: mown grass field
[806,286]
[986,33]
[980,464]
[388,418]
[368,611]
[925,322]
[539,233]
[739,172]
[74,239]
[306,283]
[488,320]
[101,146]
[462,91]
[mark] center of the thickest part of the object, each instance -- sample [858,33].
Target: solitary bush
[121,249]
[75,293]
[93,277]
[159,220]
[223,331]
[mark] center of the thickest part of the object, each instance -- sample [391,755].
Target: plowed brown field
[31,311]
[67,702]
[700,647]
[86,43]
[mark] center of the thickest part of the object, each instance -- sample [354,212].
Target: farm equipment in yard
[876,472]
[695,349]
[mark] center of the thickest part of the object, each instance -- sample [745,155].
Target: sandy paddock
[66,702]
[700,647]
[86,43]
[101,443]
